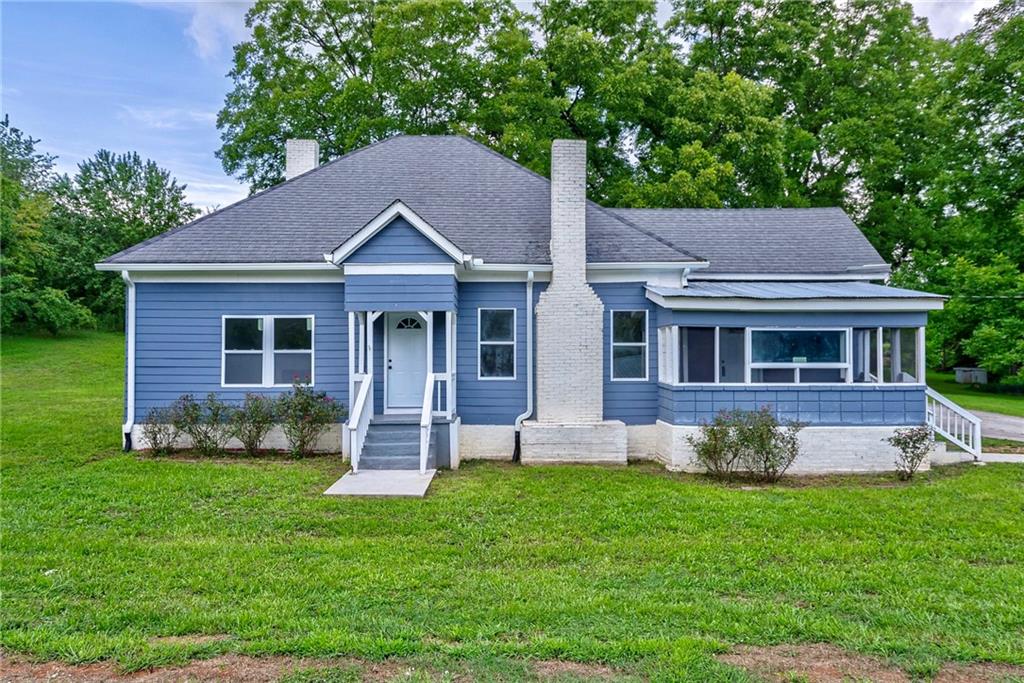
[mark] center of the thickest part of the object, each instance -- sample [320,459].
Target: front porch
[402,387]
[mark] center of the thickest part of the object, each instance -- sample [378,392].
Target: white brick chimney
[300,156]
[569,423]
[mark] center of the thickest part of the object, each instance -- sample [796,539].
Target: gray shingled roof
[777,241]
[789,290]
[497,210]
[486,204]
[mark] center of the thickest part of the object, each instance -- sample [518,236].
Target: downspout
[529,364]
[126,428]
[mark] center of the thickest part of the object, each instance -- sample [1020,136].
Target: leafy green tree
[113,201]
[849,81]
[25,179]
[348,73]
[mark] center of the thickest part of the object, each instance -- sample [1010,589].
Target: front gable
[399,242]
[397,235]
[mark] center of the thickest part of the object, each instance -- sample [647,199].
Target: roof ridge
[261,193]
[597,206]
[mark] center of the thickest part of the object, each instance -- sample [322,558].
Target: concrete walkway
[382,483]
[999,426]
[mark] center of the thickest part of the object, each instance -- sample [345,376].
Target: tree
[348,74]
[25,178]
[849,81]
[114,201]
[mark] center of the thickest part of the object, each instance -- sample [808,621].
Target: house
[463,306]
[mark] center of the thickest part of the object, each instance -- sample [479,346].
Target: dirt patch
[233,668]
[555,668]
[979,673]
[244,669]
[821,663]
[813,663]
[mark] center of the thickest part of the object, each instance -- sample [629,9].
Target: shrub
[912,445]
[768,448]
[305,415]
[753,441]
[252,421]
[160,430]
[208,423]
[716,447]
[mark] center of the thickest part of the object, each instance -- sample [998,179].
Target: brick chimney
[569,425]
[300,156]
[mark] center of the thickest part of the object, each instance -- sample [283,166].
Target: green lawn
[653,573]
[975,399]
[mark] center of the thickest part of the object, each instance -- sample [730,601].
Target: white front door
[406,360]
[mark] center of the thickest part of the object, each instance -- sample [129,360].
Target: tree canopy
[54,228]
[728,103]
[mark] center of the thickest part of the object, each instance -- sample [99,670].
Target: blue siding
[178,336]
[400,293]
[840,405]
[495,402]
[823,318]
[399,242]
[633,402]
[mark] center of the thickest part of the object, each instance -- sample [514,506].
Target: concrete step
[384,450]
[403,462]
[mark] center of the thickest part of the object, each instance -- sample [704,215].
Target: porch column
[353,342]
[449,361]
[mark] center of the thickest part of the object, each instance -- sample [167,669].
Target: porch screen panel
[697,354]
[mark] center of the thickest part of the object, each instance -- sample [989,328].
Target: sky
[151,76]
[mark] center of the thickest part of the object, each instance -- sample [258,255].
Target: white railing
[949,420]
[443,398]
[359,418]
[427,418]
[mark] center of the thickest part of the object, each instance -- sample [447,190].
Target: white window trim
[268,350]
[846,366]
[480,343]
[613,344]
[673,360]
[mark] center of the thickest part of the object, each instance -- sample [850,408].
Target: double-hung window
[496,343]
[267,351]
[629,345]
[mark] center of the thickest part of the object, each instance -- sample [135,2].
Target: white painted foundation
[330,442]
[823,450]
[594,442]
[486,442]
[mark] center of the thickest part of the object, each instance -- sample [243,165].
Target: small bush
[252,421]
[305,415]
[160,430]
[912,445]
[751,441]
[768,448]
[207,423]
[716,447]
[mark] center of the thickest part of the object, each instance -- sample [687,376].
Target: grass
[106,554]
[975,399]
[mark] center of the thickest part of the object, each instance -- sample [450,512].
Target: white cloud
[217,26]
[167,118]
[949,18]
[214,27]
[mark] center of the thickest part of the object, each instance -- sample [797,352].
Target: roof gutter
[129,422]
[529,363]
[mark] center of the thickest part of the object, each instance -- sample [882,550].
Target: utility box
[971,375]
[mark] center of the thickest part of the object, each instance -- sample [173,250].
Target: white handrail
[426,419]
[953,422]
[359,419]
